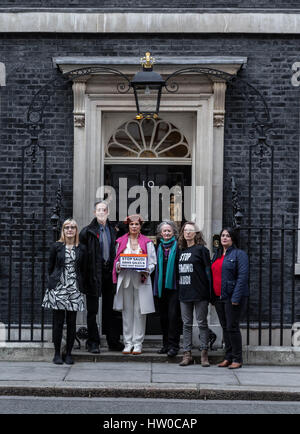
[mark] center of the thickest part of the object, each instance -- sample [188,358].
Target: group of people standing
[185,280]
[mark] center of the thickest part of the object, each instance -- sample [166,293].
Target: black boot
[57,359]
[163,350]
[58,323]
[71,334]
[69,360]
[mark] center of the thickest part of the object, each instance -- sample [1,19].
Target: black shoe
[163,350]
[172,352]
[116,346]
[93,348]
[69,360]
[58,360]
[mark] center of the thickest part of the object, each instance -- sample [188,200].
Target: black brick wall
[28,61]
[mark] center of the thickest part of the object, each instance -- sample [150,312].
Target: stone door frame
[204,97]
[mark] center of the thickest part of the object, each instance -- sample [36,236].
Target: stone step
[149,354]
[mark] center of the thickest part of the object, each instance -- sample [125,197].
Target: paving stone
[112,375]
[57,373]
[104,366]
[268,378]
[196,378]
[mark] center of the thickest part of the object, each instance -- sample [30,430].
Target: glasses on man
[69,227]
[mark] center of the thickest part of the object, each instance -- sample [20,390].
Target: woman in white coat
[134,296]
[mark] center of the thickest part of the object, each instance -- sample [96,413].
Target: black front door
[153,207]
[148,177]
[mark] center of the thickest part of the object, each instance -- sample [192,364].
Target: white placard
[133,262]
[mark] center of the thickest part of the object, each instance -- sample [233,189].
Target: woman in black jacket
[67,269]
[165,287]
[230,271]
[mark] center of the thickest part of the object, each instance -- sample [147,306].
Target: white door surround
[200,98]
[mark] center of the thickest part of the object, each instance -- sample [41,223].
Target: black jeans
[58,324]
[229,317]
[92,306]
[111,320]
[170,318]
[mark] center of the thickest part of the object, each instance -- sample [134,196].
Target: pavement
[148,376]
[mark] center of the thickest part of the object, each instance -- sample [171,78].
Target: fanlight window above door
[147,138]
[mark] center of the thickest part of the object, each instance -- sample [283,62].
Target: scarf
[122,241]
[170,272]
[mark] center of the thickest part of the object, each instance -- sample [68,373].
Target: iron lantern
[147,86]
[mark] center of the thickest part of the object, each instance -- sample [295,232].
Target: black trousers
[92,306]
[58,324]
[111,320]
[229,316]
[170,318]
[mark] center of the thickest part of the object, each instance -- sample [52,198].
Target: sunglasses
[70,227]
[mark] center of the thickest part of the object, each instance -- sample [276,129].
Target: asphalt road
[131,406]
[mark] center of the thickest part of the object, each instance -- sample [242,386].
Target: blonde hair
[62,234]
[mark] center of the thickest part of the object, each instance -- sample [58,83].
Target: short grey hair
[166,222]
[101,201]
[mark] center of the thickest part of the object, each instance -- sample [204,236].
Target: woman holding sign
[135,260]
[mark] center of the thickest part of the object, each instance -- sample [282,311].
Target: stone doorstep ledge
[252,355]
[271,355]
[154,390]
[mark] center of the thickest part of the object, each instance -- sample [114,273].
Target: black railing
[23,280]
[24,248]
[272,308]
[272,305]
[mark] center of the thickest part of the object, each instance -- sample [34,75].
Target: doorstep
[252,355]
[36,351]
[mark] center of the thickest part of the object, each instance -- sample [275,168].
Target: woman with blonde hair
[67,269]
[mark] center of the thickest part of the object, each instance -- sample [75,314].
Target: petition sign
[133,262]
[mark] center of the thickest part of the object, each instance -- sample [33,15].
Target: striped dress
[66,295]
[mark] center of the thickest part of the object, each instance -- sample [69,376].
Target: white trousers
[134,323]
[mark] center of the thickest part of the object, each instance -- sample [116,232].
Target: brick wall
[28,61]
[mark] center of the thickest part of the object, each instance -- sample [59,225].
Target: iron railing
[272,308]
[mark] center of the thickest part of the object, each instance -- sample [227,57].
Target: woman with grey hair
[165,287]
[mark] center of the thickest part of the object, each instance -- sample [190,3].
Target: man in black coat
[99,237]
